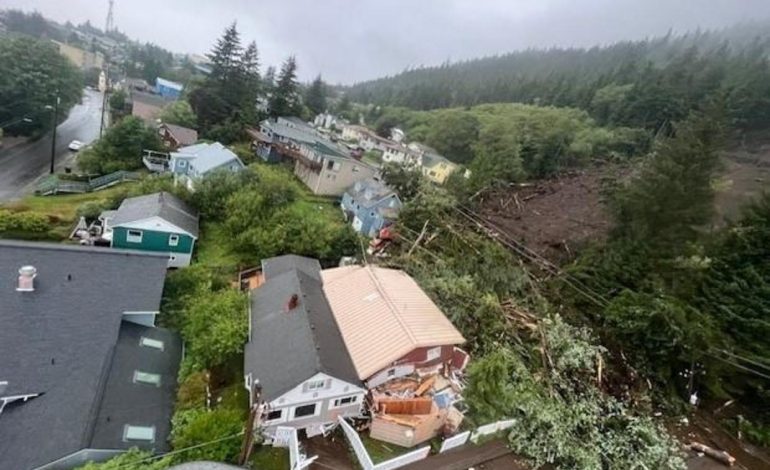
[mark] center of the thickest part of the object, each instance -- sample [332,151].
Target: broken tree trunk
[718,455]
[419,238]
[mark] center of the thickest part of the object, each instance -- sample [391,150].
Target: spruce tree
[225,56]
[316,96]
[285,99]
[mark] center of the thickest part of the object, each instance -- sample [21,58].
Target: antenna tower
[110,22]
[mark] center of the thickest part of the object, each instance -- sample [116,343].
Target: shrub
[198,426]
[30,222]
[192,392]
[91,209]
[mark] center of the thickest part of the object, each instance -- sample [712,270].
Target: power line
[178,451]
[744,359]
[739,366]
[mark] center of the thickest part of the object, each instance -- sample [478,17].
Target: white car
[75,145]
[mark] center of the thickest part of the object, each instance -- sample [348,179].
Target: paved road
[23,164]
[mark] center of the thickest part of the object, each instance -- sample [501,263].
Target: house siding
[152,241]
[329,182]
[367,221]
[415,359]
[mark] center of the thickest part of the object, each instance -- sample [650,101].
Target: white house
[295,362]
[401,155]
[193,162]
[397,135]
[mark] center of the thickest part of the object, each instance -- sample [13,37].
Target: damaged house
[321,337]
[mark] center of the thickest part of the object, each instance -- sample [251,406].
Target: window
[173,240]
[139,433]
[316,385]
[391,372]
[274,415]
[305,410]
[182,163]
[151,343]
[329,164]
[146,378]
[433,353]
[345,401]
[134,236]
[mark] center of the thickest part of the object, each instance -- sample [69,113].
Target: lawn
[381,451]
[270,458]
[61,209]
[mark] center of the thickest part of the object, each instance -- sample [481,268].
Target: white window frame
[147,378]
[173,239]
[130,429]
[433,354]
[314,385]
[152,343]
[134,238]
[280,419]
[335,402]
[316,412]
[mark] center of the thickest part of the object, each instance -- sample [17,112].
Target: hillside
[641,84]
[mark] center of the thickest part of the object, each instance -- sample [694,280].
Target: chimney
[27,279]
[293,302]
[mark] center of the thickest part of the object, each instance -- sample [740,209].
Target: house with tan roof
[319,340]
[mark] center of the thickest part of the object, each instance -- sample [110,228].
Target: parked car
[75,145]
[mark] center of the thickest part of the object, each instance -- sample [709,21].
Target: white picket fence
[492,428]
[455,441]
[366,461]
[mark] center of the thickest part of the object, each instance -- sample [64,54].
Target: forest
[645,84]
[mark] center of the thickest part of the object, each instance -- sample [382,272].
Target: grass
[213,247]
[61,209]
[381,451]
[270,458]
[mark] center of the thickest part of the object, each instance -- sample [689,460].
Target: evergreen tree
[225,56]
[249,83]
[268,82]
[315,97]
[285,98]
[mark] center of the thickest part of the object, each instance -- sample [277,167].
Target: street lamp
[55,119]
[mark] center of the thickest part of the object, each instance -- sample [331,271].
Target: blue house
[191,163]
[167,88]
[370,205]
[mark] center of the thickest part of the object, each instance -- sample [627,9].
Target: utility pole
[55,122]
[104,95]
[252,423]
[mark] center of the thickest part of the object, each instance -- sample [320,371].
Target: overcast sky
[350,40]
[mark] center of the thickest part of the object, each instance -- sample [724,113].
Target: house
[295,355]
[325,121]
[276,138]
[191,163]
[174,136]
[84,373]
[81,57]
[147,106]
[328,169]
[354,133]
[158,222]
[437,168]
[370,205]
[371,141]
[168,89]
[400,154]
[390,326]
[397,135]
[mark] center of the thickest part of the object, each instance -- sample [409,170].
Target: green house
[158,222]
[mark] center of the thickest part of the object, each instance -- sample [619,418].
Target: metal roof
[168,83]
[183,135]
[369,192]
[164,205]
[206,157]
[58,341]
[383,314]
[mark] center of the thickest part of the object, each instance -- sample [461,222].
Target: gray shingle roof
[57,340]
[183,135]
[273,267]
[369,192]
[289,347]
[126,402]
[164,205]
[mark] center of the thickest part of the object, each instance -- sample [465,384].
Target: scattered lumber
[718,455]
[425,385]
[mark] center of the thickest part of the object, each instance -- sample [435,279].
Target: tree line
[648,83]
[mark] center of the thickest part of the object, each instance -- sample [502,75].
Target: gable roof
[383,314]
[288,347]
[58,340]
[370,192]
[183,135]
[164,205]
[273,267]
[432,160]
[207,156]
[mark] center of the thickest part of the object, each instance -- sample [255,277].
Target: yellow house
[80,57]
[437,168]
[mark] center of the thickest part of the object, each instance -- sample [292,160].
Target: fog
[352,40]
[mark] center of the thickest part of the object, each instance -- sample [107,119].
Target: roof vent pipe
[27,279]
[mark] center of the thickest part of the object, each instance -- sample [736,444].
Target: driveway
[22,164]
